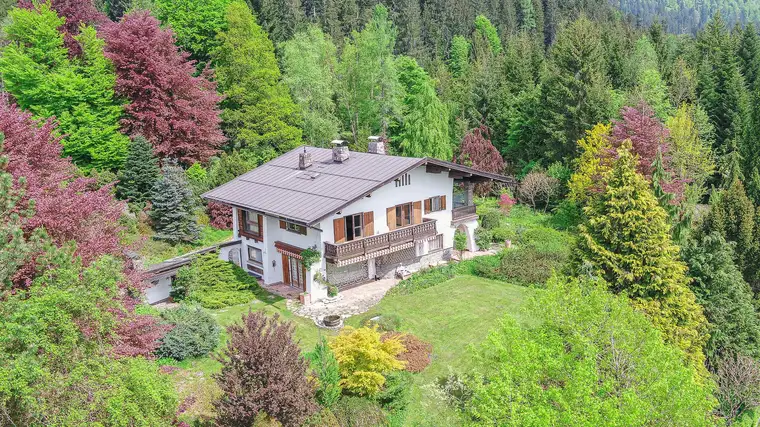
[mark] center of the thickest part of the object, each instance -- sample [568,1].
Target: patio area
[352,301]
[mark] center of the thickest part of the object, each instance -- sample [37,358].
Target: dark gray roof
[280,189]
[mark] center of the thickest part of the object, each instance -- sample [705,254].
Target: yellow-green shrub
[364,358]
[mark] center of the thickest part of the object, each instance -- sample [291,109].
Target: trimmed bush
[491,219]
[323,418]
[483,238]
[417,353]
[529,266]
[194,333]
[354,411]
[214,283]
[364,359]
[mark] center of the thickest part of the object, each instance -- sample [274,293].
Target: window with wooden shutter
[369,224]
[250,225]
[282,224]
[428,205]
[339,228]
[443,203]
[417,215]
[390,214]
[261,226]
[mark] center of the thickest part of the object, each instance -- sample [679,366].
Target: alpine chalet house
[367,214]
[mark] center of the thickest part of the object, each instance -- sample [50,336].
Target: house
[365,213]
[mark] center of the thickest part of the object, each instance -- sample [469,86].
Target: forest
[632,127]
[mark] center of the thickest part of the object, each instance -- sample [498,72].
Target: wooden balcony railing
[463,212]
[368,245]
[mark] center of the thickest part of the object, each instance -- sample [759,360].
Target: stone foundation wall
[348,274]
[387,264]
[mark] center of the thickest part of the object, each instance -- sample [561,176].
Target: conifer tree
[625,240]
[140,172]
[459,56]
[484,29]
[424,130]
[749,55]
[258,114]
[173,206]
[281,18]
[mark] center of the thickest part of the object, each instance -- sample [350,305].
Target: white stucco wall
[160,291]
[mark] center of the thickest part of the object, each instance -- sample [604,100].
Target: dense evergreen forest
[635,125]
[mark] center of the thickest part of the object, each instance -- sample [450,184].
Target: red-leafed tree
[477,152]
[174,110]
[647,134]
[76,12]
[68,207]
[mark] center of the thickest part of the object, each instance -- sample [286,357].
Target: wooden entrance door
[293,272]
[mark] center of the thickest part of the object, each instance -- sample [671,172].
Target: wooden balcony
[463,213]
[335,253]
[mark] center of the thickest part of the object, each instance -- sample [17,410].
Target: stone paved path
[353,301]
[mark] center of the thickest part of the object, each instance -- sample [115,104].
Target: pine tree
[625,240]
[258,113]
[173,206]
[308,63]
[749,55]
[650,86]
[139,173]
[485,30]
[281,18]
[424,130]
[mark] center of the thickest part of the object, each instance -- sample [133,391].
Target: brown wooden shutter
[339,228]
[241,222]
[282,224]
[443,202]
[369,224]
[285,269]
[417,214]
[261,226]
[428,205]
[390,214]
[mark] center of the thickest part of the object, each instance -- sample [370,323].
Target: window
[403,180]
[292,227]
[255,256]
[436,204]
[251,223]
[354,226]
[403,215]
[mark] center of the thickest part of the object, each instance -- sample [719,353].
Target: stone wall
[387,264]
[348,274]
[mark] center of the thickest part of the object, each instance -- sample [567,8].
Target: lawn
[154,251]
[452,316]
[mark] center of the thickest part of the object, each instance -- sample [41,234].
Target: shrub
[483,238]
[460,242]
[364,358]
[528,265]
[567,215]
[263,371]
[323,418]
[395,397]
[738,380]
[194,333]
[501,234]
[455,389]
[325,368]
[383,322]
[537,188]
[417,353]
[354,411]
[491,219]
[214,283]
[506,202]
[332,291]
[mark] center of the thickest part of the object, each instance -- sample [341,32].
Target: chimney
[376,145]
[339,151]
[304,159]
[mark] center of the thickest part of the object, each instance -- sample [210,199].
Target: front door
[293,272]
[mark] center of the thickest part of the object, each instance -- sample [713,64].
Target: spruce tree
[140,172]
[749,54]
[625,240]
[173,206]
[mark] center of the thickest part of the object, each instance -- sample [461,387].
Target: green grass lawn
[452,316]
[155,251]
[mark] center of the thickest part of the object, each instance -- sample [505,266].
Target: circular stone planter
[332,321]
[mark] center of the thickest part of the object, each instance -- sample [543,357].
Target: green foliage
[139,173]
[173,207]
[359,412]
[424,130]
[325,368]
[369,93]
[459,56]
[227,167]
[197,177]
[214,283]
[308,65]
[56,360]
[727,299]
[195,24]
[78,92]
[396,395]
[530,265]
[258,114]
[309,256]
[364,358]
[625,240]
[491,219]
[194,333]
[483,238]
[382,322]
[591,360]
[460,241]
[485,29]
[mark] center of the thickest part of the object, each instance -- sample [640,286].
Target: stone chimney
[304,159]
[376,145]
[340,151]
